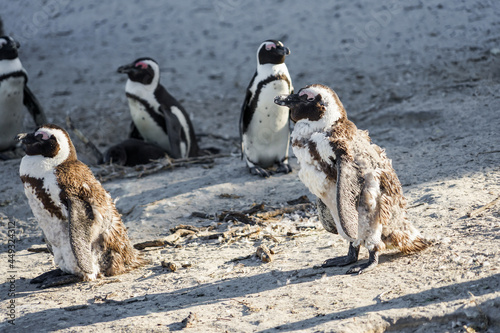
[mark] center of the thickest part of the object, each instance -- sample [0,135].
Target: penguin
[359,194]
[14,93]
[80,223]
[157,116]
[264,126]
[133,152]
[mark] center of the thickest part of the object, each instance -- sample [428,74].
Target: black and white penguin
[14,95]
[264,126]
[133,152]
[359,194]
[157,116]
[80,223]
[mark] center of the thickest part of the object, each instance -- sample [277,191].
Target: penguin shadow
[183,298]
[448,293]
[224,289]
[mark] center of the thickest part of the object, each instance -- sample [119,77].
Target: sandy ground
[422,77]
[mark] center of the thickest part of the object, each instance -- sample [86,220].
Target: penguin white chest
[55,229]
[11,110]
[150,130]
[310,173]
[267,137]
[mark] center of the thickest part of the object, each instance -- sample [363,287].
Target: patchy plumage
[79,220]
[359,194]
[14,95]
[264,126]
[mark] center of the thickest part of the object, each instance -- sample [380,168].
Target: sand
[421,77]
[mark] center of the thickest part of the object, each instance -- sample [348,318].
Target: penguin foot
[284,168]
[55,278]
[371,264]
[350,258]
[256,170]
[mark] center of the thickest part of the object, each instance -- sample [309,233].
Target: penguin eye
[2,42]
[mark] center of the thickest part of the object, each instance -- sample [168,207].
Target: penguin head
[49,141]
[315,103]
[8,48]
[272,52]
[143,70]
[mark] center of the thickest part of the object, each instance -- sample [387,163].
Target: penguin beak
[26,138]
[21,136]
[288,101]
[283,51]
[125,69]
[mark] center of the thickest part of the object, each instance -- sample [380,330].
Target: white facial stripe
[62,140]
[2,42]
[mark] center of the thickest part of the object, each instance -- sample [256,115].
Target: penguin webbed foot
[284,168]
[350,258]
[371,264]
[256,170]
[55,278]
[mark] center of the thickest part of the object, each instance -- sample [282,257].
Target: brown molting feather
[405,244]
[390,185]
[43,196]
[70,175]
[122,255]
[341,134]
[328,169]
[385,209]
[119,256]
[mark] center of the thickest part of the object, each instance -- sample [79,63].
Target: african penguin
[157,116]
[359,193]
[14,93]
[81,226]
[264,126]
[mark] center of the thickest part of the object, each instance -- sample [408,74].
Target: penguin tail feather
[409,243]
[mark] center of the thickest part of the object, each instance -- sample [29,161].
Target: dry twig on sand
[478,211]
[112,171]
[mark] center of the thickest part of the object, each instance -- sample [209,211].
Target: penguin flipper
[349,186]
[134,132]
[325,217]
[174,133]
[246,113]
[33,106]
[81,220]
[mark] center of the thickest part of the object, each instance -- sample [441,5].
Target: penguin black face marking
[8,48]
[306,104]
[272,52]
[39,143]
[139,71]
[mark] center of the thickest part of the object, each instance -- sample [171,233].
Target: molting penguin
[264,126]
[81,226]
[157,117]
[14,93]
[359,193]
